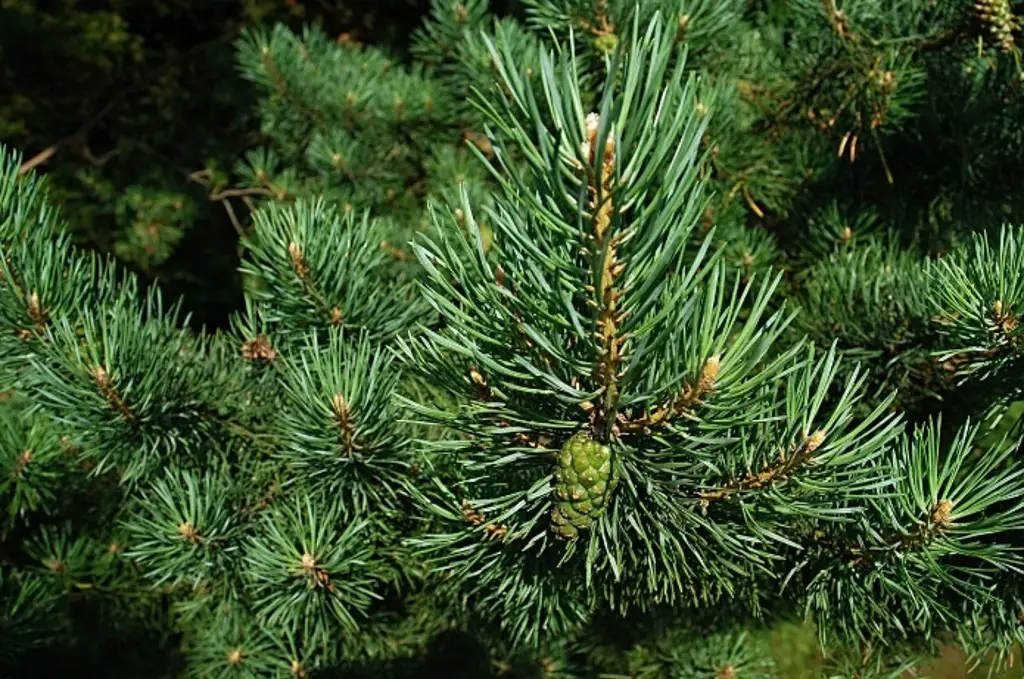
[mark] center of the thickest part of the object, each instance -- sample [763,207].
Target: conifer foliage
[580,337]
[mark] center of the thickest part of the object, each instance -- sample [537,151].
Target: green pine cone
[607,43]
[998,17]
[585,476]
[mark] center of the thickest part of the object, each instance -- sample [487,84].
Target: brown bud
[295,252]
[495,532]
[942,513]
[339,405]
[684,23]
[23,460]
[258,349]
[188,531]
[814,441]
[711,369]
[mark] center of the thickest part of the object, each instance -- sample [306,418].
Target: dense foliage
[589,340]
[134,111]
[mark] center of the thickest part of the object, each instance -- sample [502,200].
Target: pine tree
[579,337]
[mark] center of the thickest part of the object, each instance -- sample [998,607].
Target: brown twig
[939,519]
[603,250]
[783,468]
[238,193]
[79,135]
[688,397]
[102,380]
[346,425]
[234,219]
[75,137]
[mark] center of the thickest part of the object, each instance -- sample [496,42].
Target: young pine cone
[999,22]
[585,476]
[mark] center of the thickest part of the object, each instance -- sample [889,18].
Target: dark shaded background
[119,102]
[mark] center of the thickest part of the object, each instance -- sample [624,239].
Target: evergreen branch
[603,249]
[182,530]
[308,579]
[786,465]
[336,427]
[319,268]
[977,294]
[681,405]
